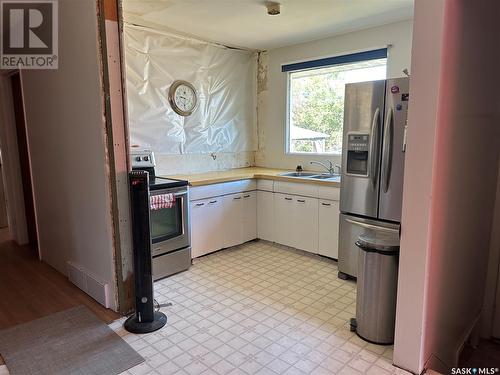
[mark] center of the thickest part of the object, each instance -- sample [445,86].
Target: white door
[283,218]
[328,224]
[305,224]
[233,217]
[265,215]
[249,219]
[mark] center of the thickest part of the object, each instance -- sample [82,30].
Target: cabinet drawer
[265,185]
[307,190]
[207,191]
[331,193]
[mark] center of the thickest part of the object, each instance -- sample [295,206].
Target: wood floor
[30,289]
[487,354]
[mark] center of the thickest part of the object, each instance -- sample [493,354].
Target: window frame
[320,63]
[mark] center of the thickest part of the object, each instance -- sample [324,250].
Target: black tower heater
[145,319]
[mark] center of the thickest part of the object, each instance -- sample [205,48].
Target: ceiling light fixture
[273,8]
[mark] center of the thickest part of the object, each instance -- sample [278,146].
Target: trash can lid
[379,240]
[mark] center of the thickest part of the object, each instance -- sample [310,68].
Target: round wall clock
[182,97]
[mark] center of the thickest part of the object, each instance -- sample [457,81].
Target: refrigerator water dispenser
[357,154]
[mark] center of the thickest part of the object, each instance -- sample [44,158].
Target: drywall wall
[224,120]
[422,117]
[467,139]
[272,95]
[447,219]
[66,136]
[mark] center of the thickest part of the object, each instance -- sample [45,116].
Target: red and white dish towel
[160,201]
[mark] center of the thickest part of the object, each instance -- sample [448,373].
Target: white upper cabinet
[328,236]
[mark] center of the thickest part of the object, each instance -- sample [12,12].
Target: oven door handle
[181,193]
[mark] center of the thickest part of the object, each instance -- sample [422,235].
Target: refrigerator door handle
[387,150]
[371,226]
[373,145]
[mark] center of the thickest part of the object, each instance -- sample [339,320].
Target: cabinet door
[214,222]
[284,219]
[265,215]
[328,238]
[249,219]
[233,216]
[305,224]
[206,226]
[199,230]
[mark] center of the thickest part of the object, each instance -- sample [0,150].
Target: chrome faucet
[330,168]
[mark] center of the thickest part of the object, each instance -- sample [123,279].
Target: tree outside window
[316,104]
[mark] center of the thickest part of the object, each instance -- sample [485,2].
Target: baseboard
[89,283]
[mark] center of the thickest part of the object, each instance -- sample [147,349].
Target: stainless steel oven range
[169,218]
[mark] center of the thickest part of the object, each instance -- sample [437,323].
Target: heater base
[134,326]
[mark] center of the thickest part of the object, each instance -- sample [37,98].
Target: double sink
[313,176]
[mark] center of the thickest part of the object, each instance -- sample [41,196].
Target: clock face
[182,98]
[185,98]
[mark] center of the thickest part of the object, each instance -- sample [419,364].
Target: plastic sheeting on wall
[224,78]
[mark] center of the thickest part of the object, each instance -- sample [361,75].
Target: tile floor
[258,308]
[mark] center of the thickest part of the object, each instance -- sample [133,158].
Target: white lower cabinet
[328,228]
[207,217]
[265,215]
[296,221]
[249,216]
[222,221]
[232,230]
[305,224]
[283,219]
[302,222]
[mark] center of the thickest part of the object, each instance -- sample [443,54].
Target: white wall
[272,101]
[422,117]
[66,135]
[450,181]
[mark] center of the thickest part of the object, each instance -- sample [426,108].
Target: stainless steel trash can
[377,286]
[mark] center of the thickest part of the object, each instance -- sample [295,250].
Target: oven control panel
[142,158]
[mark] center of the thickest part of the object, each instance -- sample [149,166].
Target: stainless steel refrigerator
[373,149]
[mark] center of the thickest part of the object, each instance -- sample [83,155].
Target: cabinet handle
[246,196]
[288,199]
[200,204]
[237,198]
[301,201]
[326,204]
[212,202]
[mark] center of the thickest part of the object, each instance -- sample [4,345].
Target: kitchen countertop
[215,177]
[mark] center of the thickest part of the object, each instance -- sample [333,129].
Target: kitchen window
[315,99]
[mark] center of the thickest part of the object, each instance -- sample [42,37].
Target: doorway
[24,161]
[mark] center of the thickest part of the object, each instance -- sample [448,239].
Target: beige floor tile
[258,308]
